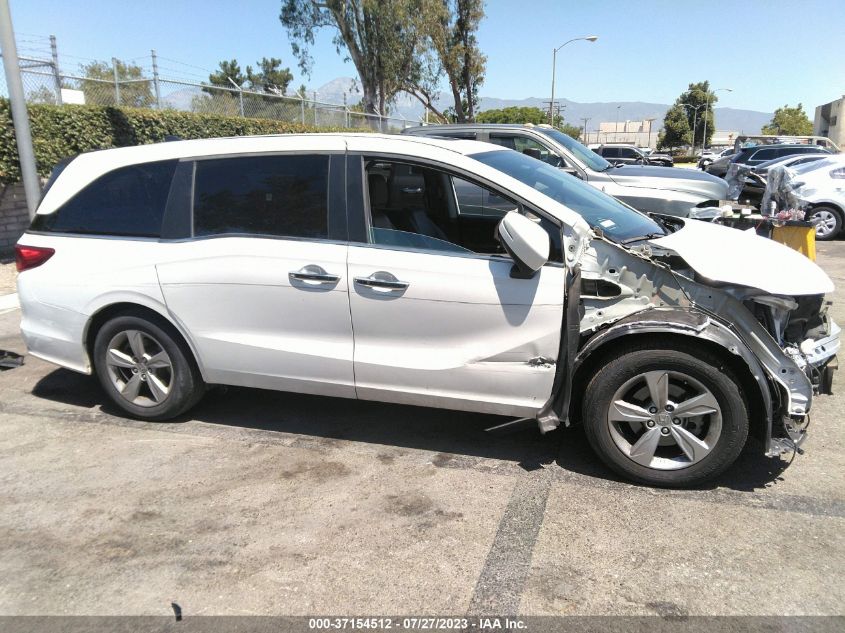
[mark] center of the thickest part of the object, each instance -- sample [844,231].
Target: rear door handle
[382,280]
[313,273]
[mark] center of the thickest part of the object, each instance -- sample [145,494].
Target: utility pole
[155,79]
[54,52]
[586,139]
[706,108]
[17,101]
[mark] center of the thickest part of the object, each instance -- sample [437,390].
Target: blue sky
[648,50]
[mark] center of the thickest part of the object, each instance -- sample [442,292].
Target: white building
[828,121]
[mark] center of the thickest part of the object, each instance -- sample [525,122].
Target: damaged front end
[779,333]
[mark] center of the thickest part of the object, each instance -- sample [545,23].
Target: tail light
[27,257]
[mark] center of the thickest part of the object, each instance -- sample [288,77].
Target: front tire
[828,222]
[666,417]
[145,369]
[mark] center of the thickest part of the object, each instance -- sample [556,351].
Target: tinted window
[764,154]
[588,157]
[616,220]
[127,201]
[283,196]
[610,152]
[527,146]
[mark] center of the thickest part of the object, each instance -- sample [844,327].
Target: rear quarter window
[128,201]
[280,196]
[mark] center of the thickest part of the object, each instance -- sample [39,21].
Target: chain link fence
[44,82]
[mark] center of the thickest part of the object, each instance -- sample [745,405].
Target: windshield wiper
[639,238]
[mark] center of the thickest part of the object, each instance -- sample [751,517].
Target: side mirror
[526,242]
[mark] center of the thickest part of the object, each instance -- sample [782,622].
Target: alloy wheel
[825,222]
[665,420]
[139,368]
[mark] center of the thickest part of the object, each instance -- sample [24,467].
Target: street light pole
[694,121]
[589,38]
[616,125]
[706,108]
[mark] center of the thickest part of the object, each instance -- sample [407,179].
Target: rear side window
[765,154]
[282,196]
[128,201]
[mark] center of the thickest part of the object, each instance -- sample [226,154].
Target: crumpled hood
[743,258]
[670,178]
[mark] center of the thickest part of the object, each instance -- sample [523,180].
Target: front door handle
[314,274]
[382,280]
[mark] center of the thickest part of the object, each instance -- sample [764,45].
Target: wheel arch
[719,341]
[149,310]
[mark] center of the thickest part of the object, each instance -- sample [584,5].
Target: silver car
[647,188]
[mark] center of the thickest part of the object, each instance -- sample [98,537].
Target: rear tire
[657,435]
[828,222]
[145,368]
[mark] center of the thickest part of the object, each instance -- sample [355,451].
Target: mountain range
[747,121]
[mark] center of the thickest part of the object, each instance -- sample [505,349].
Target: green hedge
[62,131]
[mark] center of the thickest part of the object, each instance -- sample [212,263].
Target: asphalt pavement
[281,504]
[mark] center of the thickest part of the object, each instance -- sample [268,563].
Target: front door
[437,323]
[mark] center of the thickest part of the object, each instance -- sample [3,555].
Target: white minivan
[432,272]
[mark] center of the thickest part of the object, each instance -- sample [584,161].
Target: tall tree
[451,26]
[98,85]
[515,114]
[226,70]
[702,100]
[269,77]
[789,121]
[381,37]
[676,128]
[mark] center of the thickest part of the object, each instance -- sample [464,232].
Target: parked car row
[431,271]
[758,154]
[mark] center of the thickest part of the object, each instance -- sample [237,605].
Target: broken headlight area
[805,332]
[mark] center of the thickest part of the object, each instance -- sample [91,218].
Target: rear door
[438,324]
[261,284]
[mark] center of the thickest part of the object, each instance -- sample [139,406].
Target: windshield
[619,222]
[586,156]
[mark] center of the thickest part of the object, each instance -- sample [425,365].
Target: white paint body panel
[251,324]
[743,258]
[460,336]
[83,276]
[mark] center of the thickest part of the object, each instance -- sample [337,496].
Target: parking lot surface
[282,504]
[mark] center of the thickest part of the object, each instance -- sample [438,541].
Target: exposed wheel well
[681,342]
[110,312]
